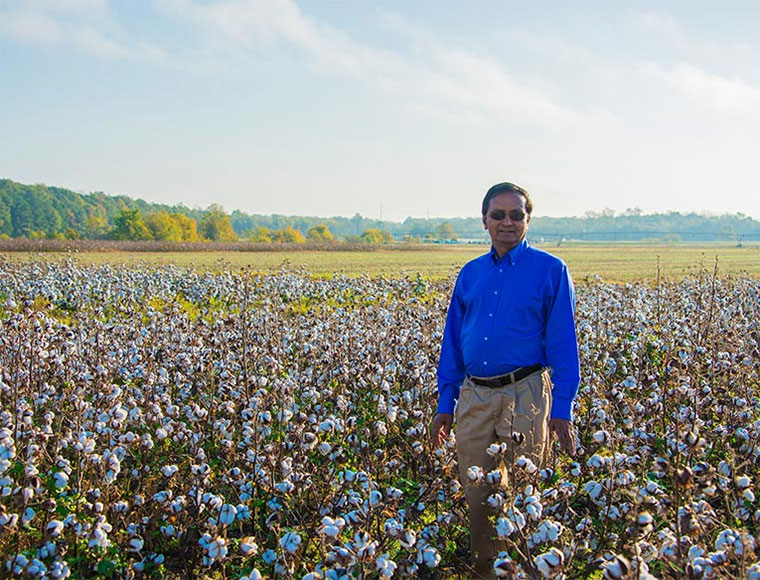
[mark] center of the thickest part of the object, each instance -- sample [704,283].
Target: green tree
[377,236]
[129,225]
[96,225]
[320,233]
[216,226]
[445,231]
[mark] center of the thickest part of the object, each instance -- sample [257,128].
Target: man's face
[505,230]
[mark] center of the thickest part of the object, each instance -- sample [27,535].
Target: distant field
[612,262]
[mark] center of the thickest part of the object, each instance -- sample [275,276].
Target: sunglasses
[516,215]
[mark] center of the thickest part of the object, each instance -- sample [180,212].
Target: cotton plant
[170,404]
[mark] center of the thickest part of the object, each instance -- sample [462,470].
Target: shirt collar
[512,255]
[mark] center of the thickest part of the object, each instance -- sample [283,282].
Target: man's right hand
[440,428]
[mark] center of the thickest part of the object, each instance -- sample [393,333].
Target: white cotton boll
[753,572]
[601,437]
[748,495]
[594,489]
[16,564]
[408,538]
[495,500]
[516,517]
[227,514]
[290,542]
[504,528]
[583,524]
[392,527]
[428,556]
[285,486]
[475,473]
[332,527]
[325,448]
[169,470]
[504,566]
[526,464]
[54,528]
[375,498]
[550,562]
[248,546]
[496,449]
[533,508]
[494,477]
[28,516]
[743,481]
[385,566]
[617,568]
[135,544]
[216,549]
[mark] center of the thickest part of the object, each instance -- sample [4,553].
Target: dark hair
[507,187]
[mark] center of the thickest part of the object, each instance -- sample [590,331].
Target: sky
[388,109]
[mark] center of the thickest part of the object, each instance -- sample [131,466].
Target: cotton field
[176,423]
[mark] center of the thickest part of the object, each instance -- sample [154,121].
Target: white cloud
[85,24]
[446,80]
[731,97]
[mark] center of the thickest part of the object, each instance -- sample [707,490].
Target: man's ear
[485,225]
[527,219]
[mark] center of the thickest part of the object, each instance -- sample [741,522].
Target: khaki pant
[484,416]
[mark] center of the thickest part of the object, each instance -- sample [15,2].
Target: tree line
[37,211]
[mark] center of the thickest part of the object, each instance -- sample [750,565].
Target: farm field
[613,262]
[213,422]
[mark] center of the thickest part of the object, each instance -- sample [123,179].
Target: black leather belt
[508,379]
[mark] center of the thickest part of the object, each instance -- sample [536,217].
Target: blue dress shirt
[510,313]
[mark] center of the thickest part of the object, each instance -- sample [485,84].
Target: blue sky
[389,109]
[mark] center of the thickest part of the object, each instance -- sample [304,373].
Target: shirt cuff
[447,399]
[562,408]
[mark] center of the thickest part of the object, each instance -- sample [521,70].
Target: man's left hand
[565,435]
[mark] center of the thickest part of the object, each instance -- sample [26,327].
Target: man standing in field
[509,322]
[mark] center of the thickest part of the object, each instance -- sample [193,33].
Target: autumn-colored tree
[377,236]
[320,233]
[187,227]
[288,235]
[262,235]
[163,227]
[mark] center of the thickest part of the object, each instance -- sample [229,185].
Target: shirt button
[490,314]
[495,291]
[500,270]
[485,362]
[485,338]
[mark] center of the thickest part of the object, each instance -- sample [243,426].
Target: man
[510,320]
